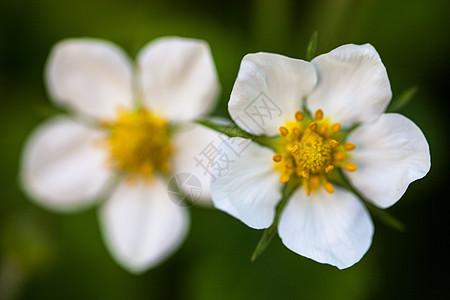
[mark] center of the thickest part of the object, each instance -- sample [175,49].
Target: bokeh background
[44,255]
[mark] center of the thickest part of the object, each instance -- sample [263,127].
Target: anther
[284,131]
[349,146]
[313,126]
[323,128]
[338,156]
[318,115]
[294,149]
[284,178]
[289,164]
[305,174]
[329,168]
[328,187]
[335,127]
[299,116]
[296,132]
[307,189]
[351,167]
[315,181]
[277,157]
[334,143]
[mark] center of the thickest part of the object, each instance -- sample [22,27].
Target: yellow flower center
[310,150]
[139,144]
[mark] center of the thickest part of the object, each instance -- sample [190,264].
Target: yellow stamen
[334,143]
[289,164]
[338,156]
[349,146]
[307,189]
[277,157]
[296,132]
[138,144]
[323,128]
[351,167]
[329,168]
[310,151]
[284,178]
[313,126]
[328,187]
[298,116]
[284,131]
[335,127]
[315,181]
[318,115]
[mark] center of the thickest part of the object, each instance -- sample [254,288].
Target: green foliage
[401,101]
[312,45]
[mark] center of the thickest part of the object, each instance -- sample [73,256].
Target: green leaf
[404,98]
[230,130]
[311,49]
[384,217]
[270,232]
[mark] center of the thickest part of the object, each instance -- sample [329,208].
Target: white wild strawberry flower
[380,157]
[129,131]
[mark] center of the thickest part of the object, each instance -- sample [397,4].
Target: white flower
[129,121]
[381,157]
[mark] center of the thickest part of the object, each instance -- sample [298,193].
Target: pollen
[335,127]
[328,187]
[284,131]
[318,115]
[313,126]
[349,146]
[298,116]
[277,157]
[351,167]
[334,143]
[309,150]
[284,178]
[139,144]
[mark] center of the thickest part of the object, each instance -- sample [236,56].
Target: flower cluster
[131,128]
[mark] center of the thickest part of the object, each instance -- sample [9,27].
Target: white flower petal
[63,165]
[329,228]
[268,91]
[90,76]
[353,85]
[178,78]
[390,154]
[141,226]
[245,183]
[195,149]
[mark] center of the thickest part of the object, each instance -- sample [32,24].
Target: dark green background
[54,256]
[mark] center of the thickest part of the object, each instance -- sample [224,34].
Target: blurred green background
[44,255]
